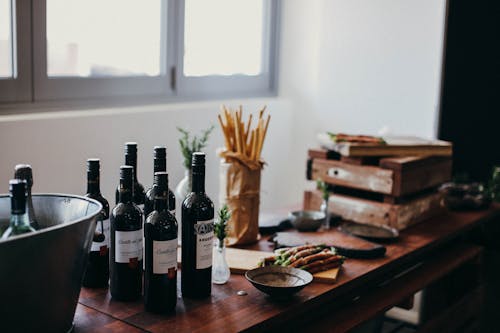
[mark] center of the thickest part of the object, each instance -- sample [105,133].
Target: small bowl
[307,220]
[278,281]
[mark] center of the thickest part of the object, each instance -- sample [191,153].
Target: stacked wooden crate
[393,191]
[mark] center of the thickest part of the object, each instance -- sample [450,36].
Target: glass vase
[184,187]
[220,268]
[324,208]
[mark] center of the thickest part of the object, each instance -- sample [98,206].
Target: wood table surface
[225,311]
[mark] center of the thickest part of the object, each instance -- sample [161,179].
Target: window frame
[19,87]
[213,86]
[60,88]
[33,84]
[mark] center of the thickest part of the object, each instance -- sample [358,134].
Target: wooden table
[365,288]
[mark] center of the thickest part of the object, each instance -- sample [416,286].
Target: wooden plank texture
[399,216]
[384,297]
[370,178]
[225,311]
[394,176]
[414,174]
[396,146]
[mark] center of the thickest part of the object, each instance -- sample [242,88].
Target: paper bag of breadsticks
[240,174]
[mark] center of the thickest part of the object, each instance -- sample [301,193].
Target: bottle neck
[198,181]
[131,159]
[93,184]
[125,191]
[18,216]
[159,165]
[19,220]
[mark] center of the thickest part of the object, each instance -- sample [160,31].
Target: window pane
[103,38]
[5,39]
[223,37]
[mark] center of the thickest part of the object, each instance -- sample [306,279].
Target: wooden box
[391,176]
[396,215]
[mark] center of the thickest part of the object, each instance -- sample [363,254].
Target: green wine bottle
[19,220]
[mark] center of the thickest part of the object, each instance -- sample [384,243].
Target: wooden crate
[392,176]
[395,146]
[399,216]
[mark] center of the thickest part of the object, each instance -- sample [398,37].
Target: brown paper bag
[239,189]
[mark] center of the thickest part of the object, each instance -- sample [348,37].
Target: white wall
[358,66]
[58,144]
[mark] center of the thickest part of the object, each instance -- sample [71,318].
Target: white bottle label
[164,256]
[102,246]
[128,246]
[204,231]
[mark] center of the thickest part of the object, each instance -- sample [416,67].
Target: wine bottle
[160,255]
[126,242]
[197,235]
[24,171]
[97,273]
[159,165]
[19,221]
[131,159]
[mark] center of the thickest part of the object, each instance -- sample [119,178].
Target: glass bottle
[97,273]
[159,165]
[131,159]
[24,171]
[19,221]
[160,252]
[197,235]
[126,242]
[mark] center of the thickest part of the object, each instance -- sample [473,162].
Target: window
[6,47]
[122,49]
[15,52]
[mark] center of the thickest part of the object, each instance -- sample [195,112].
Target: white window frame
[58,88]
[19,87]
[32,83]
[214,86]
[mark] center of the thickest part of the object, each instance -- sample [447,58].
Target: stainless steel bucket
[41,273]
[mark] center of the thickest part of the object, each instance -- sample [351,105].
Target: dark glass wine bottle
[160,255]
[24,171]
[126,242]
[131,159]
[19,221]
[159,165]
[197,235]
[97,273]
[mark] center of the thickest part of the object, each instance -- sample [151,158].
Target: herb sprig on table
[220,226]
[323,187]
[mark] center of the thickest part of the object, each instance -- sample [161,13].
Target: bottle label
[128,246]
[103,246]
[204,231]
[165,257]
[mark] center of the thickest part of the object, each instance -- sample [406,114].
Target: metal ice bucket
[41,273]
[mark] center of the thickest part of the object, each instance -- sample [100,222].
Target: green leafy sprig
[191,145]
[323,187]
[220,226]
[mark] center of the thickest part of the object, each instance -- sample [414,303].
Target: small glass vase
[220,268]
[184,187]
[324,208]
